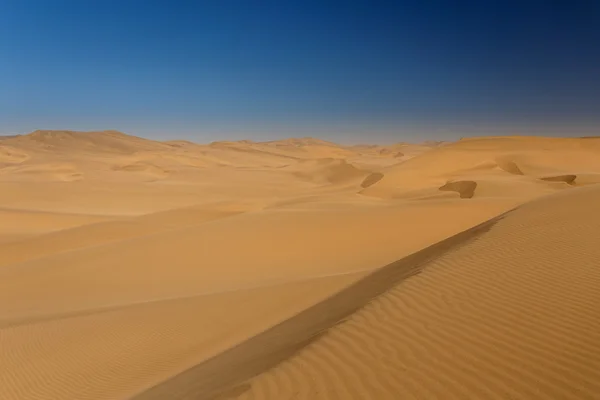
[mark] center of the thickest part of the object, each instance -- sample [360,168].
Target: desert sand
[298,269]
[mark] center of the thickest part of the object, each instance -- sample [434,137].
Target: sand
[510,312]
[300,268]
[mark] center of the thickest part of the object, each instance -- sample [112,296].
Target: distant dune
[10,155]
[298,268]
[526,163]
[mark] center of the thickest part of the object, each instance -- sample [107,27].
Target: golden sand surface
[298,269]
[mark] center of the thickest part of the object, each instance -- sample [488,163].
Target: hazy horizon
[344,137]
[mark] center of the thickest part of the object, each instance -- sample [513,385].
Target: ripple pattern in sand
[512,315]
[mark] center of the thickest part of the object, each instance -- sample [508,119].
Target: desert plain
[298,269]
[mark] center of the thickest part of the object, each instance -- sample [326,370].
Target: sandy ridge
[283,340]
[511,314]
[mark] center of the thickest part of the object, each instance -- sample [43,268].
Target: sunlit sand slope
[510,314]
[88,268]
[91,232]
[113,353]
[517,167]
[173,292]
[23,223]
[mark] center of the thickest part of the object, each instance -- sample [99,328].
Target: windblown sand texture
[298,269]
[509,314]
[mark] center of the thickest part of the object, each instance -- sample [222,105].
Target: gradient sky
[344,70]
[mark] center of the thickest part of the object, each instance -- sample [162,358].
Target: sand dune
[327,171]
[64,172]
[288,149]
[511,314]
[309,148]
[94,232]
[116,352]
[20,223]
[513,159]
[149,171]
[132,268]
[105,141]
[10,155]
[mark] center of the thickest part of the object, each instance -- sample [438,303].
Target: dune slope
[511,314]
[518,167]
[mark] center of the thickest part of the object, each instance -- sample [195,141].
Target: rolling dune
[94,142]
[63,172]
[10,155]
[511,314]
[513,159]
[274,246]
[24,223]
[297,268]
[115,352]
[150,171]
[94,232]
[328,171]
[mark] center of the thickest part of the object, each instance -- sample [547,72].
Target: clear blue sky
[345,70]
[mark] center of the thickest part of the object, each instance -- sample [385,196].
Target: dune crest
[483,320]
[328,170]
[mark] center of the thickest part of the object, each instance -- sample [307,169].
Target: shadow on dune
[372,179]
[223,376]
[466,189]
[569,179]
[509,166]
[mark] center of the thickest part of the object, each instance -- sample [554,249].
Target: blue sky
[343,70]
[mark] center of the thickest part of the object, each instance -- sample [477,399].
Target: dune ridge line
[261,352]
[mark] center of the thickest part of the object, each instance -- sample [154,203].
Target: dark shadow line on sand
[224,376]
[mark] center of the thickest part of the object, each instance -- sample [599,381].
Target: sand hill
[300,268]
